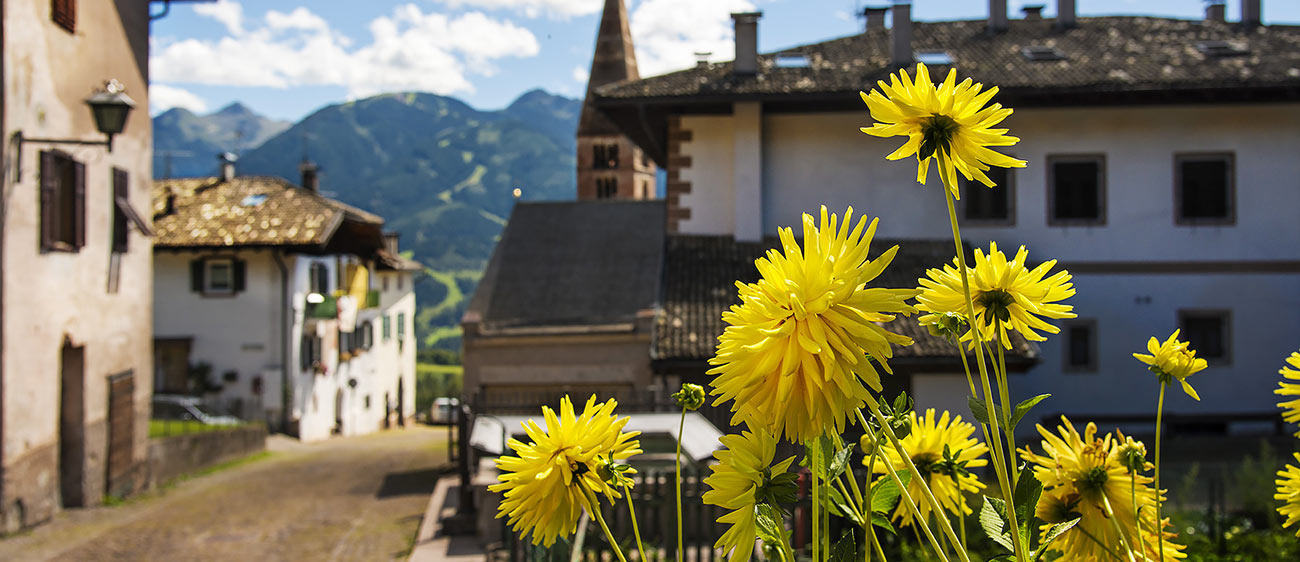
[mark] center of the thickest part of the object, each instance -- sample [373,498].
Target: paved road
[355,498]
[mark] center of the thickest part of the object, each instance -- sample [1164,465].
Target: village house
[1161,173]
[295,308]
[76,288]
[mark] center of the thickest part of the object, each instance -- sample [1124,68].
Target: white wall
[712,196]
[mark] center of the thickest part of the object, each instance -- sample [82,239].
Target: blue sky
[287,58]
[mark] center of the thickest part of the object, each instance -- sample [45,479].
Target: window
[990,205]
[217,276]
[1076,193]
[399,282]
[1203,189]
[385,281]
[367,336]
[606,188]
[1080,348]
[1206,332]
[63,202]
[64,13]
[387,328]
[604,156]
[318,278]
[401,329]
[311,351]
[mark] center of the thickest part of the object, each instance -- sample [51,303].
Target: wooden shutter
[64,13]
[304,353]
[79,204]
[237,274]
[196,276]
[49,199]
[121,433]
[121,193]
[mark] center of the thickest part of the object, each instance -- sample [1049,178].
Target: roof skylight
[253,200]
[792,60]
[934,58]
[1042,53]
[1216,48]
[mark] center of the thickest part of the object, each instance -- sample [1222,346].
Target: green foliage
[434,381]
[437,357]
[844,549]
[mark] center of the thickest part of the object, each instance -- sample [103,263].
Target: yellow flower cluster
[556,476]
[744,466]
[1173,358]
[1290,408]
[793,357]
[947,478]
[1288,492]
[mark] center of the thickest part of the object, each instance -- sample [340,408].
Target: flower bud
[690,397]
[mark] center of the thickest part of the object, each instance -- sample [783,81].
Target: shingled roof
[699,284]
[250,211]
[572,267]
[1106,60]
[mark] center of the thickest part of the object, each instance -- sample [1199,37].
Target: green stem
[680,426]
[871,526]
[636,529]
[976,334]
[1160,524]
[1137,515]
[594,507]
[1009,431]
[816,514]
[916,477]
[1123,540]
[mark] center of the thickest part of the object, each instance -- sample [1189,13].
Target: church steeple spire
[609,165]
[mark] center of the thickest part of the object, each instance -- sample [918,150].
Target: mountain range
[440,172]
[186,145]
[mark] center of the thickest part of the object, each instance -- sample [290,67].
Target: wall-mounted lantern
[110,107]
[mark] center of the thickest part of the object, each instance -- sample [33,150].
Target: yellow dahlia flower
[1288,492]
[946,477]
[1080,474]
[1291,407]
[947,121]
[545,487]
[1172,358]
[1006,294]
[792,357]
[744,467]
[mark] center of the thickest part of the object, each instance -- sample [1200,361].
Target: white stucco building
[1162,173]
[294,307]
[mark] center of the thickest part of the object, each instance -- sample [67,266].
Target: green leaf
[1024,407]
[839,505]
[882,521]
[1054,532]
[1028,490]
[885,494]
[1004,558]
[900,403]
[993,519]
[844,549]
[978,410]
[770,525]
[840,461]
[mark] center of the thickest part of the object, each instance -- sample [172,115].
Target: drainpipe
[285,352]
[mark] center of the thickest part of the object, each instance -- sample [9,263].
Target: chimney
[390,242]
[1065,16]
[702,58]
[746,42]
[310,177]
[875,16]
[1250,11]
[900,46]
[1033,13]
[227,165]
[1216,10]
[997,16]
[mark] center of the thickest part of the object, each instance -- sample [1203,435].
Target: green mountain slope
[440,172]
[186,144]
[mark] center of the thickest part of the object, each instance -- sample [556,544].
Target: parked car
[444,410]
[185,408]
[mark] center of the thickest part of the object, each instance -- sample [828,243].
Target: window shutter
[120,192]
[79,205]
[237,273]
[196,276]
[49,199]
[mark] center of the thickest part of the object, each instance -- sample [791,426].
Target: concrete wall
[171,457]
[56,297]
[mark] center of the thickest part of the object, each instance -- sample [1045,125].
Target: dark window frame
[606,187]
[604,156]
[1008,187]
[121,223]
[64,14]
[62,202]
[200,280]
[318,278]
[1225,332]
[1067,365]
[1231,187]
[1052,161]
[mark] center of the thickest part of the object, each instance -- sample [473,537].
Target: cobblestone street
[355,498]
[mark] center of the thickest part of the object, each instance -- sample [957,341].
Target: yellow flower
[1288,492]
[792,356]
[947,121]
[1172,359]
[743,468]
[546,486]
[1006,294]
[1291,408]
[1080,475]
[946,477]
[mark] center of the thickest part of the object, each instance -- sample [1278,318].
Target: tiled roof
[699,284]
[246,211]
[1102,54]
[396,262]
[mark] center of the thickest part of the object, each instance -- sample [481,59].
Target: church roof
[614,60]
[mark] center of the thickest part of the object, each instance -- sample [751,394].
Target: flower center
[937,132]
[925,463]
[1094,480]
[998,304]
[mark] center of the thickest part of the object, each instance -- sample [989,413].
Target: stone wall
[170,457]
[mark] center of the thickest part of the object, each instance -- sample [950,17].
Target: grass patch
[169,428]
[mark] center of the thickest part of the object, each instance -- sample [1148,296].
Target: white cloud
[580,75]
[560,9]
[668,33]
[230,14]
[163,97]
[409,50]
